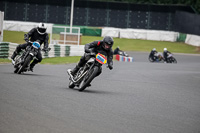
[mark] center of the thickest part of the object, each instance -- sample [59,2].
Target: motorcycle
[156,57]
[88,72]
[123,53]
[22,62]
[171,59]
[120,52]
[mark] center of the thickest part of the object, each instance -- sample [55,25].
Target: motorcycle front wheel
[71,85]
[174,60]
[25,64]
[88,78]
[150,59]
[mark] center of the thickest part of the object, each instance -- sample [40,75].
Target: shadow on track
[26,74]
[88,90]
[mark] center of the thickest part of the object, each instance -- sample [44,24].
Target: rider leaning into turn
[165,54]
[104,46]
[36,34]
[152,53]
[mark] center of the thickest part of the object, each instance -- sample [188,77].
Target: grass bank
[61,60]
[124,44]
[2,60]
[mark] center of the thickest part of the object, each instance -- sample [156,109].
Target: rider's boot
[75,70]
[13,57]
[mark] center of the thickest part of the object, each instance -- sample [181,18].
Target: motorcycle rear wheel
[86,80]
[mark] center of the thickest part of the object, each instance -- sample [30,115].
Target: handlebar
[29,41]
[42,49]
[91,54]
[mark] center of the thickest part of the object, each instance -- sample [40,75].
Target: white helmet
[165,49]
[154,49]
[41,29]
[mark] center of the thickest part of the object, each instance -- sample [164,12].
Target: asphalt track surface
[138,97]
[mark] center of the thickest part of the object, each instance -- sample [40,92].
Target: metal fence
[99,14]
[65,35]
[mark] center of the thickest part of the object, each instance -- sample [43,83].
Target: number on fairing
[101,58]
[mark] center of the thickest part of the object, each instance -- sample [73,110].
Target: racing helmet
[154,49]
[107,42]
[41,29]
[165,49]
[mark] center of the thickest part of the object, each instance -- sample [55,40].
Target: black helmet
[107,42]
[41,28]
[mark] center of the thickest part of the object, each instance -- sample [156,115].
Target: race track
[138,97]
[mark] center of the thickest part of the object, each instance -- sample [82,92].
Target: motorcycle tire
[26,63]
[71,85]
[16,70]
[150,59]
[174,60]
[17,59]
[86,80]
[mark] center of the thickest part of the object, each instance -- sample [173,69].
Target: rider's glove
[45,50]
[110,67]
[91,50]
[26,37]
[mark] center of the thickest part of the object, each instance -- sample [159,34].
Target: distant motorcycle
[120,52]
[123,53]
[22,62]
[158,57]
[171,59]
[88,72]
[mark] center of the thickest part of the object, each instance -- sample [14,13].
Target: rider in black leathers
[152,54]
[36,34]
[116,51]
[165,55]
[104,46]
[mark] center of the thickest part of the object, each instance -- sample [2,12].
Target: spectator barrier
[123,58]
[7,49]
[157,35]
[193,40]
[4,50]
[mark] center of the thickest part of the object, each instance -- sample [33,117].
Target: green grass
[13,36]
[61,60]
[124,44]
[146,45]
[3,60]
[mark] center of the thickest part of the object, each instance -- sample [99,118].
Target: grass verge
[3,60]
[61,60]
[124,44]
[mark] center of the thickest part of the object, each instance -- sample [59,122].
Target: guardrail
[4,50]
[57,50]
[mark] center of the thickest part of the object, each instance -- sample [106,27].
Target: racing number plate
[101,58]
